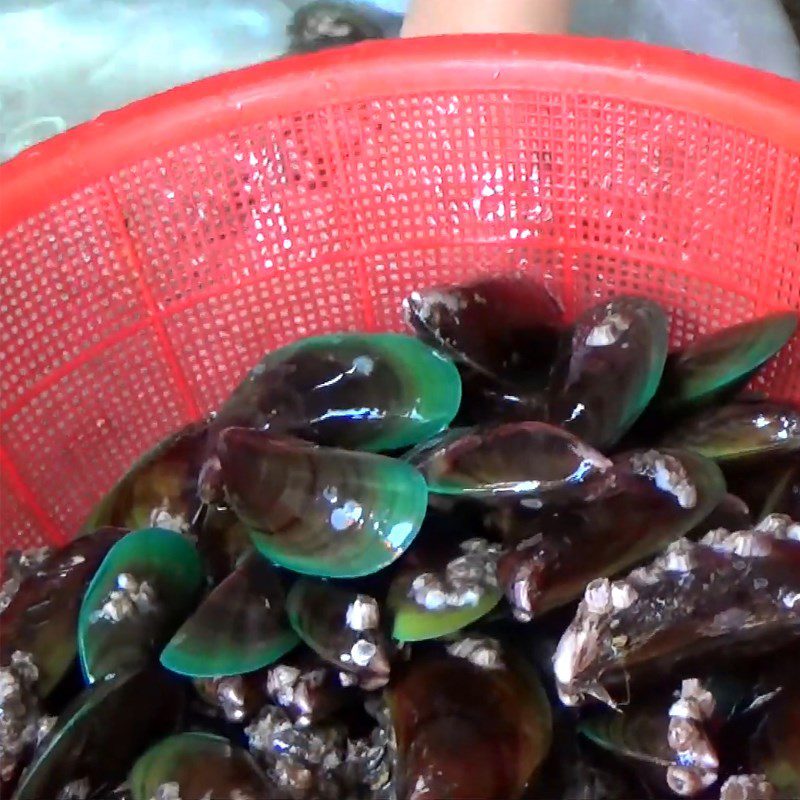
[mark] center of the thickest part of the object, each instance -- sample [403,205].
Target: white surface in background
[65,61]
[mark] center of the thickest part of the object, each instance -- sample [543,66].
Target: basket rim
[757,102]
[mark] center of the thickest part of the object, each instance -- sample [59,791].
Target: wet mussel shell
[739,431]
[531,459]
[102,732]
[144,589]
[321,511]
[42,618]
[468,731]
[375,392]
[240,627]
[200,765]
[608,369]
[659,496]
[505,327]
[720,363]
[344,628]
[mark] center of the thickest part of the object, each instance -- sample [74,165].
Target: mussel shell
[42,618]
[240,627]
[101,733]
[775,746]
[731,513]
[639,733]
[203,766]
[320,24]
[465,731]
[326,618]
[731,599]
[374,392]
[485,400]
[608,370]
[159,490]
[558,552]
[715,364]
[531,459]
[739,431]
[321,511]
[169,564]
[506,326]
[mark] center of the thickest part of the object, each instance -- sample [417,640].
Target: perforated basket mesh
[151,257]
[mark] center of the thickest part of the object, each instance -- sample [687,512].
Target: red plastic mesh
[133,304]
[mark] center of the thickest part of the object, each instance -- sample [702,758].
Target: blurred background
[65,61]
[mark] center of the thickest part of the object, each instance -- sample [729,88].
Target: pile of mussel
[504,558]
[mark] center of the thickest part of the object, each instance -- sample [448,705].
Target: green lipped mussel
[659,496]
[722,362]
[344,628]
[505,327]
[531,459]
[197,765]
[103,730]
[42,617]
[147,584]
[240,627]
[608,369]
[374,392]
[317,510]
[472,723]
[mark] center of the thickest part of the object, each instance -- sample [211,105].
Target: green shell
[171,566]
[380,391]
[102,731]
[318,611]
[413,623]
[724,360]
[202,765]
[240,627]
[740,431]
[608,370]
[321,511]
[42,618]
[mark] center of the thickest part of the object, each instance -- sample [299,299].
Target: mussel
[240,627]
[609,369]
[195,766]
[318,510]
[147,584]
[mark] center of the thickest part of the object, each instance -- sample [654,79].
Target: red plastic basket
[150,257]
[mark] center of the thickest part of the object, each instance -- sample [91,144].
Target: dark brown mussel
[195,766]
[738,431]
[41,619]
[160,490]
[470,723]
[731,594]
[608,369]
[146,586]
[99,735]
[530,459]
[319,510]
[344,628]
[505,327]
[670,740]
[722,362]
[660,495]
[234,698]
[443,589]
[381,391]
[240,627]
[775,746]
